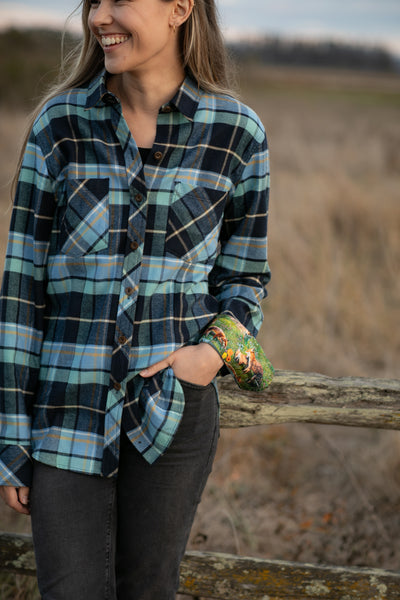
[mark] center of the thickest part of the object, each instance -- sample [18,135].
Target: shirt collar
[98,94]
[186,99]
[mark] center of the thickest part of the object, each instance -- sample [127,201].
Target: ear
[181,11]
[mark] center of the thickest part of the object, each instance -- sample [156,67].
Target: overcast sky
[375,21]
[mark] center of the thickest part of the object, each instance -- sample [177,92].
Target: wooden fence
[292,397]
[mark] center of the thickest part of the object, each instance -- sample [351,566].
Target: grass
[318,85]
[334,223]
[299,492]
[18,587]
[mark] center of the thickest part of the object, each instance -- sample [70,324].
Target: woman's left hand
[197,364]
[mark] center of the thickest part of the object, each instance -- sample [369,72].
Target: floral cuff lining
[240,351]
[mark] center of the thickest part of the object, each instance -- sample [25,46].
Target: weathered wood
[226,577]
[313,398]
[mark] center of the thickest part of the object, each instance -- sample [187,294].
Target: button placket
[136,219]
[125,316]
[131,267]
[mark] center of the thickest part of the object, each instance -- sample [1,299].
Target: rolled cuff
[15,466]
[240,351]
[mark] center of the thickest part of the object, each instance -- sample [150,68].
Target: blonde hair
[202,49]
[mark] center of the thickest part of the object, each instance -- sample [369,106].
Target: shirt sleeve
[22,306]
[241,274]
[241,271]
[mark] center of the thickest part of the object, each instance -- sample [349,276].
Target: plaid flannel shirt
[112,265]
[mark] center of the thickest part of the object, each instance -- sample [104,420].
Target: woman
[135,269]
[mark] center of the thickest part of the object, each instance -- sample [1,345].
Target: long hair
[202,50]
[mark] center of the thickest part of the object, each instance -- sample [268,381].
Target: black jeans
[123,539]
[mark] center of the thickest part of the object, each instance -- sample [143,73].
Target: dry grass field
[300,492]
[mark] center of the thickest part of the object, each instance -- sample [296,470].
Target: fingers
[23,495]
[198,363]
[159,366]
[16,498]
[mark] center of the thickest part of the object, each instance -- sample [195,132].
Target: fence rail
[292,397]
[226,577]
[313,398]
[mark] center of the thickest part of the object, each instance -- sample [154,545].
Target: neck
[146,92]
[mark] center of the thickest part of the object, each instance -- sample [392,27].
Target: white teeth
[111,41]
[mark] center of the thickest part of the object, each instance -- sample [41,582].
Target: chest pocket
[86,222]
[194,219]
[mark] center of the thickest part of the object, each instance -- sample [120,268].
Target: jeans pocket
[193,386]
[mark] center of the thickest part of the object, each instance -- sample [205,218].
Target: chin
[113,68]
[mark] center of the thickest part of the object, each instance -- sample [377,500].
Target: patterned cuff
[15,466]
[240,351]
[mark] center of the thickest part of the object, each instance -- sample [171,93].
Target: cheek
[90,23]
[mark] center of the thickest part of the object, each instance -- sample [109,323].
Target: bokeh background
[326,83]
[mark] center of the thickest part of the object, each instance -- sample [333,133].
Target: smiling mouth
[113,40]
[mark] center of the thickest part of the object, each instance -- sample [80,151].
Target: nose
[100,14]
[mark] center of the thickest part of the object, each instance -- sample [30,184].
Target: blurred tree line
[29,59]
[329,54]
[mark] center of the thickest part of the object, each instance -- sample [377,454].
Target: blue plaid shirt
[112,265]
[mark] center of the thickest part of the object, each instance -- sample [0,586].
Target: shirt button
[117,386]
[139,198]
[134,245]
[109,99]
[122,340]
[129,291]
[167,109]
[158,155]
